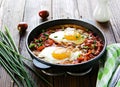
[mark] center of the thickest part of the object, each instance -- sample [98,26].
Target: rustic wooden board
[115,21]
[1,12]
[84,9]
[13,13]
[64,9]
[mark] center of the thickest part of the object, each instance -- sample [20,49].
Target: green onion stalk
[10,59]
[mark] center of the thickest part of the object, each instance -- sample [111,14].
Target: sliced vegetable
[49,42]
[32,45]
[40,48]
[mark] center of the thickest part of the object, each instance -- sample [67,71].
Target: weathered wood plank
[65,9]
[1,2]
[115,20]
[5,79]
[1,12]
[31,16]
[84,9]
[14,11]
[10,16]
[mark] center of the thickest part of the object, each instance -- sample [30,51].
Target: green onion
[32,45]
[36,41]
[46,35]
[40,44]
[11,60]
[40,40]
[77,36]
[55,36]
[85,47]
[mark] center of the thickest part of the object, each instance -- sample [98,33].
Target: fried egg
[68,35]
[58,54]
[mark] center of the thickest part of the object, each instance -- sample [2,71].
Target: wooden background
[14,11]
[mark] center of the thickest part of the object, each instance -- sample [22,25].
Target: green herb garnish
[36,40]
[40,44]
[32,45]
[40,39]
[77,36]
[85,47]
[55,36]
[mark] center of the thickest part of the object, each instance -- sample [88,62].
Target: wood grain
[84,9]
[32,8]
[14,11]
[65,9]
[11,15]
[115,21]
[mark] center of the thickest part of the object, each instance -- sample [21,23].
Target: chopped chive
[40,44]
[93,45]
[77,37]
[85,47]
[94,41]
[79,55]
[36,40]
[32,45]
[55,36]
[46,34]
[40,39]
[43,30]
[82,36]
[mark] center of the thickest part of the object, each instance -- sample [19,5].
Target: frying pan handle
[44,67]
[40,65]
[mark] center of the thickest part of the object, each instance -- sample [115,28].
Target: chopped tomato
[40,48]
[98,48]
[88,53]
[81,58]
[49,42]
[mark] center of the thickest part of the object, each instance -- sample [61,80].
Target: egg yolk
[71,35]
[61,53]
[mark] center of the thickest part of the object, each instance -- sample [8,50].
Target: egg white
[59,36]
[46,55]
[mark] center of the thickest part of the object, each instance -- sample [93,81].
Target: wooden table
[14,11]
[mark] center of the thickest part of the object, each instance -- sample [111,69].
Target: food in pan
[66,44]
